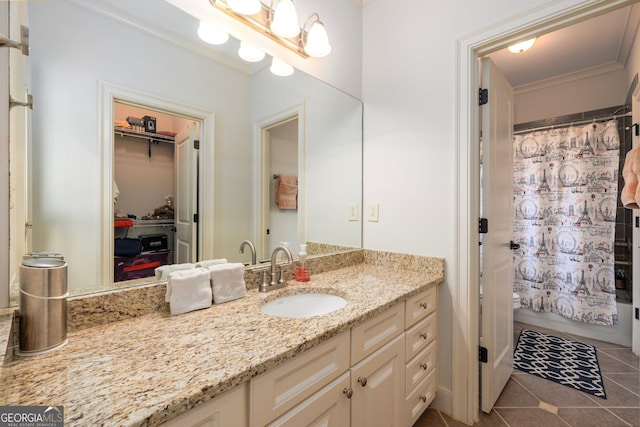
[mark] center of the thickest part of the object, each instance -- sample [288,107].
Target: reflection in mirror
[158,55]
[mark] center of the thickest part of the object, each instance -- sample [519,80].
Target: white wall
[333,150]
[584,92]
[72,50]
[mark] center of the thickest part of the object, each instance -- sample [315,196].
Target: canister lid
[43,262]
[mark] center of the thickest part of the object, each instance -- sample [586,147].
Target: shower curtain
[565,198]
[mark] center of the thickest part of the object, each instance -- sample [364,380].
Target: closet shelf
[152,137]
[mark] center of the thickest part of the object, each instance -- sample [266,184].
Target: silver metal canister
[43,305]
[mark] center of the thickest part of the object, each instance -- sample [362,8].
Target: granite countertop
[148,369]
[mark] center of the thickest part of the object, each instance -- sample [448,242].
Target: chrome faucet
[251,247]
[276,277]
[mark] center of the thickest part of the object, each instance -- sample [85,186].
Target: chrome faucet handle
[264,286]
[282,280]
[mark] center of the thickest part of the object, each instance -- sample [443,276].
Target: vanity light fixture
[250,53]
[280,68]
[522,46]
[211,33]
[280,24]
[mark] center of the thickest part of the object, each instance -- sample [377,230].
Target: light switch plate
[372,212]
[352,212]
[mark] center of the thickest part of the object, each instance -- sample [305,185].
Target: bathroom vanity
[234,365]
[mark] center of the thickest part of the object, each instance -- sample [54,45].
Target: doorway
[146,189]
[199,182]
[464,398]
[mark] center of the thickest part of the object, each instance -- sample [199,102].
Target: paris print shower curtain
[565,198]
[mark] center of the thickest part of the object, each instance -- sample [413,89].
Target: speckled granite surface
[145,370]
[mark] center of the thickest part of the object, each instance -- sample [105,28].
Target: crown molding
[570,77]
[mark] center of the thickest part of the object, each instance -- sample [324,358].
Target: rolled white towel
[189,290]
[162,272]
[208,263]
[228,282]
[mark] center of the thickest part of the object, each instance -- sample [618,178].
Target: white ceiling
[603,40]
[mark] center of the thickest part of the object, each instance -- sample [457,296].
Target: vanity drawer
[422,396]
[420,306]
[420,367]
[278,390]
[376,332]
[420,336]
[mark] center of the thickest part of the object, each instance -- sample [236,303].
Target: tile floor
[529,401]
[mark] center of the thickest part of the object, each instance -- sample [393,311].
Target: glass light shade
[245,7]
[280,68]
[522,46]
[250,53]
[317,44]
[211,33]
[285,20]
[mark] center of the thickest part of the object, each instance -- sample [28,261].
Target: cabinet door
[378,387]
[227,409]
[327,408]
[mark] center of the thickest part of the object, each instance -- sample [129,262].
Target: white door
[186,194]
[497,259]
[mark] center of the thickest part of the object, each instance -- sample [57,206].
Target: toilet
[515,299]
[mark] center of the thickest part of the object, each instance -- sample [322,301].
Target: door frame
[463,400]
[262,180]
[109,93]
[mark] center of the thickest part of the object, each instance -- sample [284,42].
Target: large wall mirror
[87,57]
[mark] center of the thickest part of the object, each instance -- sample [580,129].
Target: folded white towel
[162,272]
[189,290]
[208,263]
[227,282]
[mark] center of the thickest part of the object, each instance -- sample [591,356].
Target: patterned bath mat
[566,362]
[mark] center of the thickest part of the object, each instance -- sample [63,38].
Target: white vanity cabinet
[380,373]
[420,354]
[228,409]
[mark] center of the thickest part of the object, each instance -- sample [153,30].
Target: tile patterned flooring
[529,401]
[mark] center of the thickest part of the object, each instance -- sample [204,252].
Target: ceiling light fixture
[280,24]
[280,68]
[522,46]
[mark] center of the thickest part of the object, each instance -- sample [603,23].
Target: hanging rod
[574,123]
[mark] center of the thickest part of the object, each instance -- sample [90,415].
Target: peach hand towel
[287,192]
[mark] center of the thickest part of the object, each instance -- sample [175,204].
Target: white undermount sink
[303,305]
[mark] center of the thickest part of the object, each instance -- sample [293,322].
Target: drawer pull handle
[424,366]
[348,392]
[423,398]
[424,336]
[362,381]
[424,305]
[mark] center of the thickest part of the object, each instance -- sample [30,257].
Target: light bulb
[280,68]
[245,7]
[317,44]
[522,46]
[211,33]
[285,20]
[250,53]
